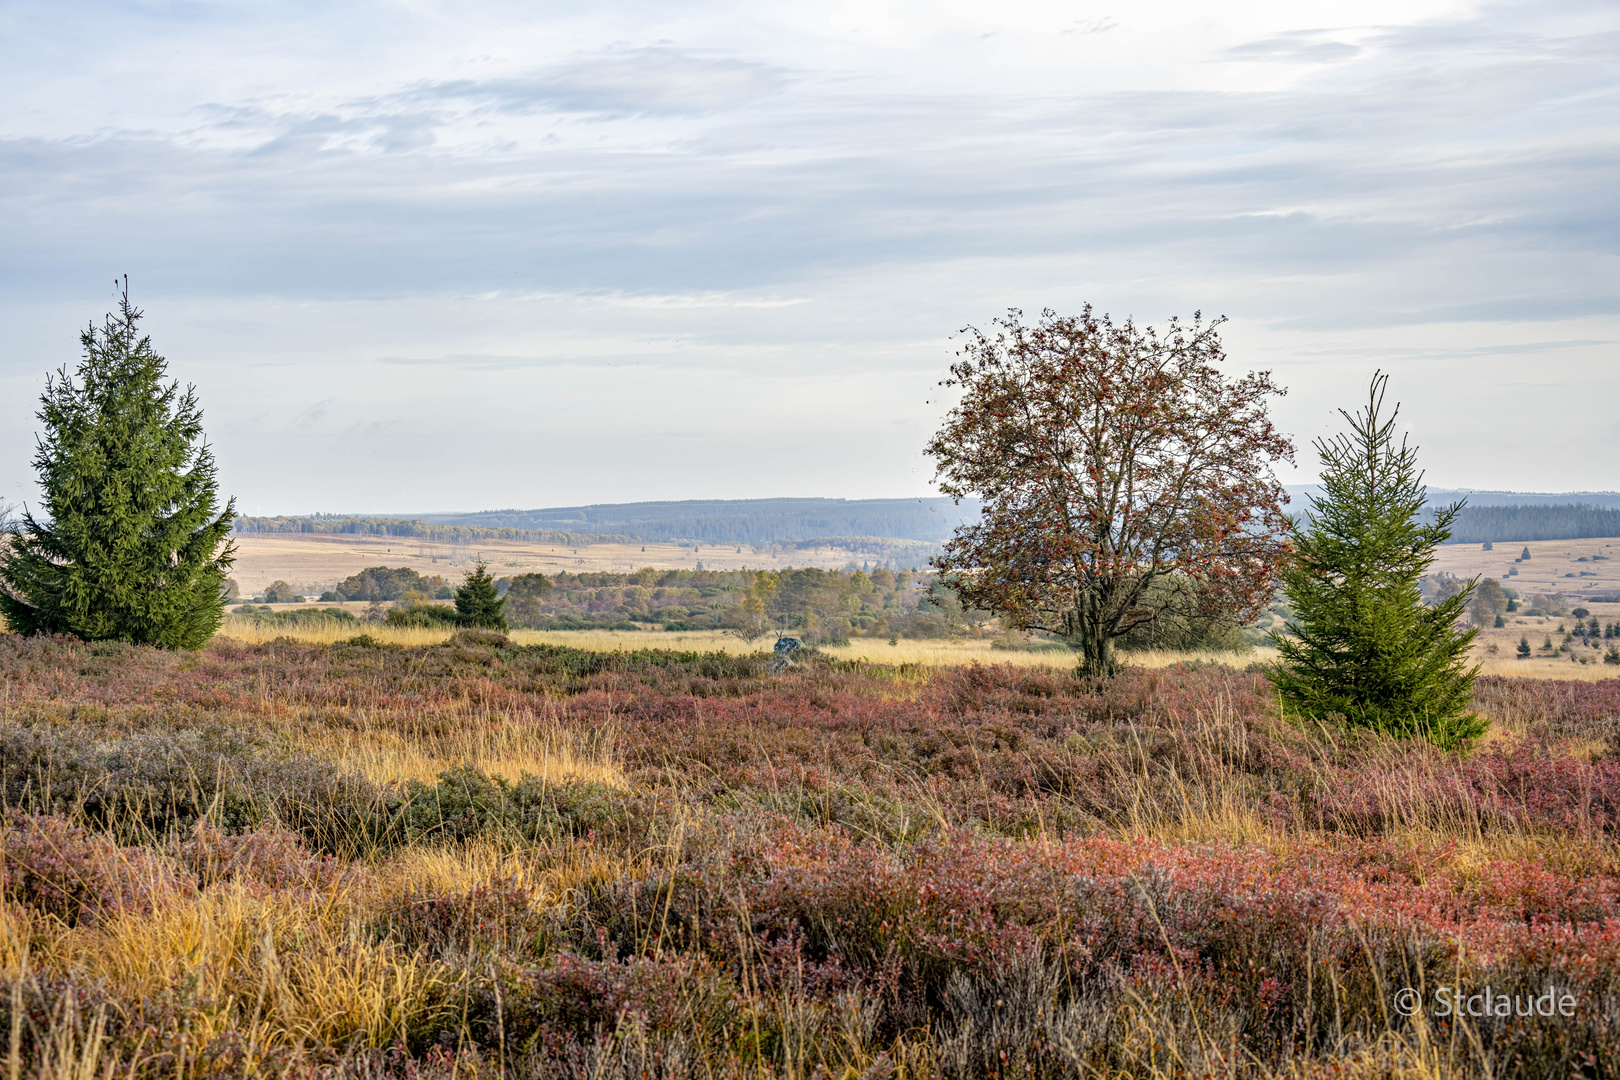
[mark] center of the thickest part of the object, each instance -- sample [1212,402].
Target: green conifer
[1362,644]
[133,545]
[477,602]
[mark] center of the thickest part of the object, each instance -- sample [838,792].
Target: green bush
[423,615]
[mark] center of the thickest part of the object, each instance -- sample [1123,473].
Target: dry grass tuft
[503,745]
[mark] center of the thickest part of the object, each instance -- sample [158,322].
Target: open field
[930,653]
[315,563]
[941,653]
[1554,565]
[473,859]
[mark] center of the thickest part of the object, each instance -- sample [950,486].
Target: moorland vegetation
[476,859]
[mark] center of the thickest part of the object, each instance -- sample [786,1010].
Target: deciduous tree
[525,599]
[1110,459]
[1490,601]
[133,544]
[751,617]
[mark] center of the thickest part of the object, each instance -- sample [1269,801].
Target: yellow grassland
[313,564]
[943,653]
[930,653]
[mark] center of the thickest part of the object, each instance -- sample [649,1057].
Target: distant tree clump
[477,601]
[1548,605]
[279,592]
[385,583]
[1124,480]
[1490,603]
[1363,645]
[526,596]
[133,544]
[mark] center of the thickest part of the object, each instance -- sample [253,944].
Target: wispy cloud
[789,196]
[1300,46]
[655,81]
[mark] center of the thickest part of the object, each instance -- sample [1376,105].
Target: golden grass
[290,969]
[498,745]
[956,653]
[1546,669]
[328,633]
[315,563]
[928,653]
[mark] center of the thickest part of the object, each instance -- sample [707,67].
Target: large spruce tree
[1363,644]
[132,544]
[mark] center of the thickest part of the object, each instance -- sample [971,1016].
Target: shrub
[501,916]
[57,868]
[423,615]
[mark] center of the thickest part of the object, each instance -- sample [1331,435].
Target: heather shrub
[160,784]
[59,869]
[500,916]
[1023,1017]
[466,803]
[577,998]
[837,871]
[139,784]
[270,859]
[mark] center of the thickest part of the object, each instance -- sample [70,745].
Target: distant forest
[1514,524]
[418,528]
[901,532]
[740,521]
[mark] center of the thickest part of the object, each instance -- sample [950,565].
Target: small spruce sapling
[477,601]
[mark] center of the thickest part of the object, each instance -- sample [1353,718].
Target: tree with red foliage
[1124,479]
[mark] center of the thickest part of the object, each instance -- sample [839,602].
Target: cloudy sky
[430,256]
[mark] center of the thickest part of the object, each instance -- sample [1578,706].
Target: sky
[424,256]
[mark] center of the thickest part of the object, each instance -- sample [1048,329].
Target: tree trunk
[1092,636]
[1096,653]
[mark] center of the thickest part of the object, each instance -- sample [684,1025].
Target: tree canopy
[1124,478]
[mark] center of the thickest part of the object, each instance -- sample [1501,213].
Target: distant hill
[1606,500]
[736,521]
[1515,516]
[1533,521]
[416,528]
